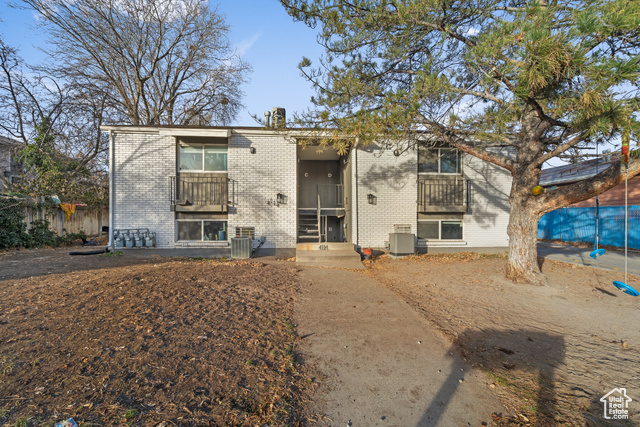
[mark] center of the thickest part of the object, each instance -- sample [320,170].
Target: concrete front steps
[338,255]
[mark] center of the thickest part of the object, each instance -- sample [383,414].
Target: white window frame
[440,239]
[201,221]
[202,146]
[459,155]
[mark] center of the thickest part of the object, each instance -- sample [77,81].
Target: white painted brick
[256,179]
[144,163]
[393,181]
[486,223]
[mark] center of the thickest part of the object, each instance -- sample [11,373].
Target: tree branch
[560,149]
[588,188]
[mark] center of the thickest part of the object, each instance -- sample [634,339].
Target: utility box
[241,247]
[401,244]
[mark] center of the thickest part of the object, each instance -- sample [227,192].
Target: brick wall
[256,179]
[145,161]
[143,165]
[485,225]
[392,180]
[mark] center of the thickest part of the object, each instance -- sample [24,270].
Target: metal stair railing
[318,221]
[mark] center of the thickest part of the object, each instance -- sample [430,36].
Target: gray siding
[8,164]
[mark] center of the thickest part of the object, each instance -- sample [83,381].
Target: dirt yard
[165,342]
[552,351]
[148,342]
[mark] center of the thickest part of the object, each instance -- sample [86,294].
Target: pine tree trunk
[522,265]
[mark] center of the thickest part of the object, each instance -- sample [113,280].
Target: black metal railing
[199,191]
[442,194]
[330,196]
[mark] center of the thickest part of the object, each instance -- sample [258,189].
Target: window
[246,232]
[208,158]
[439,160]
[440,230]
[202,230]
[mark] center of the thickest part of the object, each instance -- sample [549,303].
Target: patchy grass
[112,254]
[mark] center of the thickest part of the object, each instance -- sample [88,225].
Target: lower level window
[440,230]
[202,230]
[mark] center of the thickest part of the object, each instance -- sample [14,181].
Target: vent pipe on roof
[279,117]
[267,116]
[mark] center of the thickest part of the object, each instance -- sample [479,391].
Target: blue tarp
[579,225]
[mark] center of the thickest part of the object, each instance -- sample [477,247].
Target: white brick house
[199,186]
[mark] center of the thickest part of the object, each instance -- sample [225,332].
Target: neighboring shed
[10,168]
[568,174]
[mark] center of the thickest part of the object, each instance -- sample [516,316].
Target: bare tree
[24,96]
[155,61]
[59,123]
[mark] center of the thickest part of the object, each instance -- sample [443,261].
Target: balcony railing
[199,193]
[330,196]
[443,195]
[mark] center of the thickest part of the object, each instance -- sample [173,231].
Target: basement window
[246,232]
[440,230]
[203,157]
[196,230]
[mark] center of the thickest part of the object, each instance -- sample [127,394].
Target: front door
[333,229]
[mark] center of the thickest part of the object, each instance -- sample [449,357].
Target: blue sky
[261,30]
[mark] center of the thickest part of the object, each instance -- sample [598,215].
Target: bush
[13,230]
[40,235]
[14,234]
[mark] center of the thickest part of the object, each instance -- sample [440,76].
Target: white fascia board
[285,133]
[261,132]
[176,132]
[211,133]
[130,129]
[217,133]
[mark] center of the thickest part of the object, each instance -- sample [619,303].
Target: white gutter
[111,243]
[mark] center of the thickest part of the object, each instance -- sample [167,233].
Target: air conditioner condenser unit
[401,244]
[241,247]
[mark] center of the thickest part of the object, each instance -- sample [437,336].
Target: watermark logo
[616,404]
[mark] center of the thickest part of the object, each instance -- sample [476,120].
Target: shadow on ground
[499,352]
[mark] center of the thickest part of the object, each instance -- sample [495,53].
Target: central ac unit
[241,247]
[401,244]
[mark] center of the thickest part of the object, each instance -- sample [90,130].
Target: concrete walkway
[611,260]
[386,365]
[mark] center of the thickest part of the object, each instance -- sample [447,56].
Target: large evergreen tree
[515,83]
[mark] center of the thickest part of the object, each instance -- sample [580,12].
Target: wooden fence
[90,221]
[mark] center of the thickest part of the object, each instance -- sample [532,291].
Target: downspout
[111,180]
[355,168]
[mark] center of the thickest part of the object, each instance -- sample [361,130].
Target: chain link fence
[579,225]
